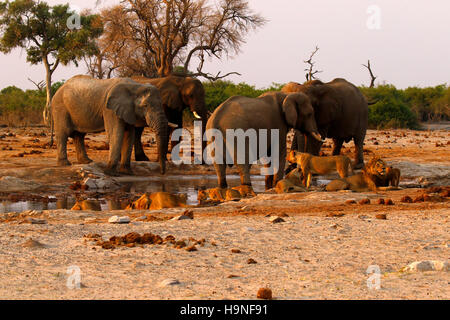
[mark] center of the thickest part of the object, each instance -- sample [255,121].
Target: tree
[163,34]
[51,35]
[311,75]
[372,77]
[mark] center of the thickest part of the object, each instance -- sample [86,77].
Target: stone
[251,261]
[264,293]
[119,220]
[423,266]
[182,217]
[276,220]
[169,282]
[36,221]
[381,216]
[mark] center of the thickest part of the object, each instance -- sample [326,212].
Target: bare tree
[152,37]
[372,77]
[39,85]
[311,75]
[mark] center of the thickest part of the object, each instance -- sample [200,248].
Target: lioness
[319,165]
[87,205]
[218,195]
[292,183]
[158,201]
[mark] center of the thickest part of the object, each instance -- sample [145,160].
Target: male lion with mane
[373,176]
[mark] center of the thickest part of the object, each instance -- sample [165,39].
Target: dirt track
[322,250]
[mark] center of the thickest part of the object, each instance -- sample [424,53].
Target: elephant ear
[121,101]
[171,97]
[290,108]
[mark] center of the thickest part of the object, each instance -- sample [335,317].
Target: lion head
[376,167]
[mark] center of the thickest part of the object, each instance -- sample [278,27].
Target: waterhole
[173,184]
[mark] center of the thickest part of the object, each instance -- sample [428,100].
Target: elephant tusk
[173,125]
[196,115]
[317,136]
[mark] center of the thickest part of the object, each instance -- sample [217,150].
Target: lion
[373,177]
[227,194]
[218,195]
[393,176]
[158,201]
[87,205]
[320,165]
[292,183]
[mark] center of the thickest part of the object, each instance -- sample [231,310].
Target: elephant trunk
[159,124]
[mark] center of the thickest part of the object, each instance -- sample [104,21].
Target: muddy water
[173,184]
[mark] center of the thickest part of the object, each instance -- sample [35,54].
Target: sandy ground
[321,251]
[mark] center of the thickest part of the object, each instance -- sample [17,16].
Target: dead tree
[39,85]
[372,77]
[311,75]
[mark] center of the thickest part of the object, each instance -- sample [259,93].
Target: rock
[119,220]
[100,183]
[191,248]
[169,282]
[264,293]
[381,201]
[351,201]
[423,266]
[180,218]
[364,201]
[389,202]
[36,221]
[251,261]
[30,243]
[381,216]
[235,251]
[276,220]
[407,199]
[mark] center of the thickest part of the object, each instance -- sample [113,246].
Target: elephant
[87,105]
[270,111]
[177,93]
[341,113]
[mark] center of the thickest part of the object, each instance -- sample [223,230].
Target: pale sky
[410,48]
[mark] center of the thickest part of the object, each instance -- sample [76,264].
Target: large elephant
[271,111]
[87,105]
[177,93]
[341,112]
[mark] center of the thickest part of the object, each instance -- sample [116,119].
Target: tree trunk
[48,119]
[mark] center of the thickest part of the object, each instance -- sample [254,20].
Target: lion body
[225,194]
[291,184]
[373,176]
[87,205]
[158,201]
[393,176]
[320,165]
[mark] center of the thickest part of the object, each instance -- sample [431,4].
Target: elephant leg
[337,146]
[139,153]
[359,152]
[80,148]
[282,163]
[127,148]
[61,144]
[178,120]
[116,137]
[221,175]
[244,172]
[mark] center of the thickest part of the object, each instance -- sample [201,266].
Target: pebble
[276,220]
[36,221]
[423,266]
[119,220]
[169,282]
[264,293]
[182,217]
